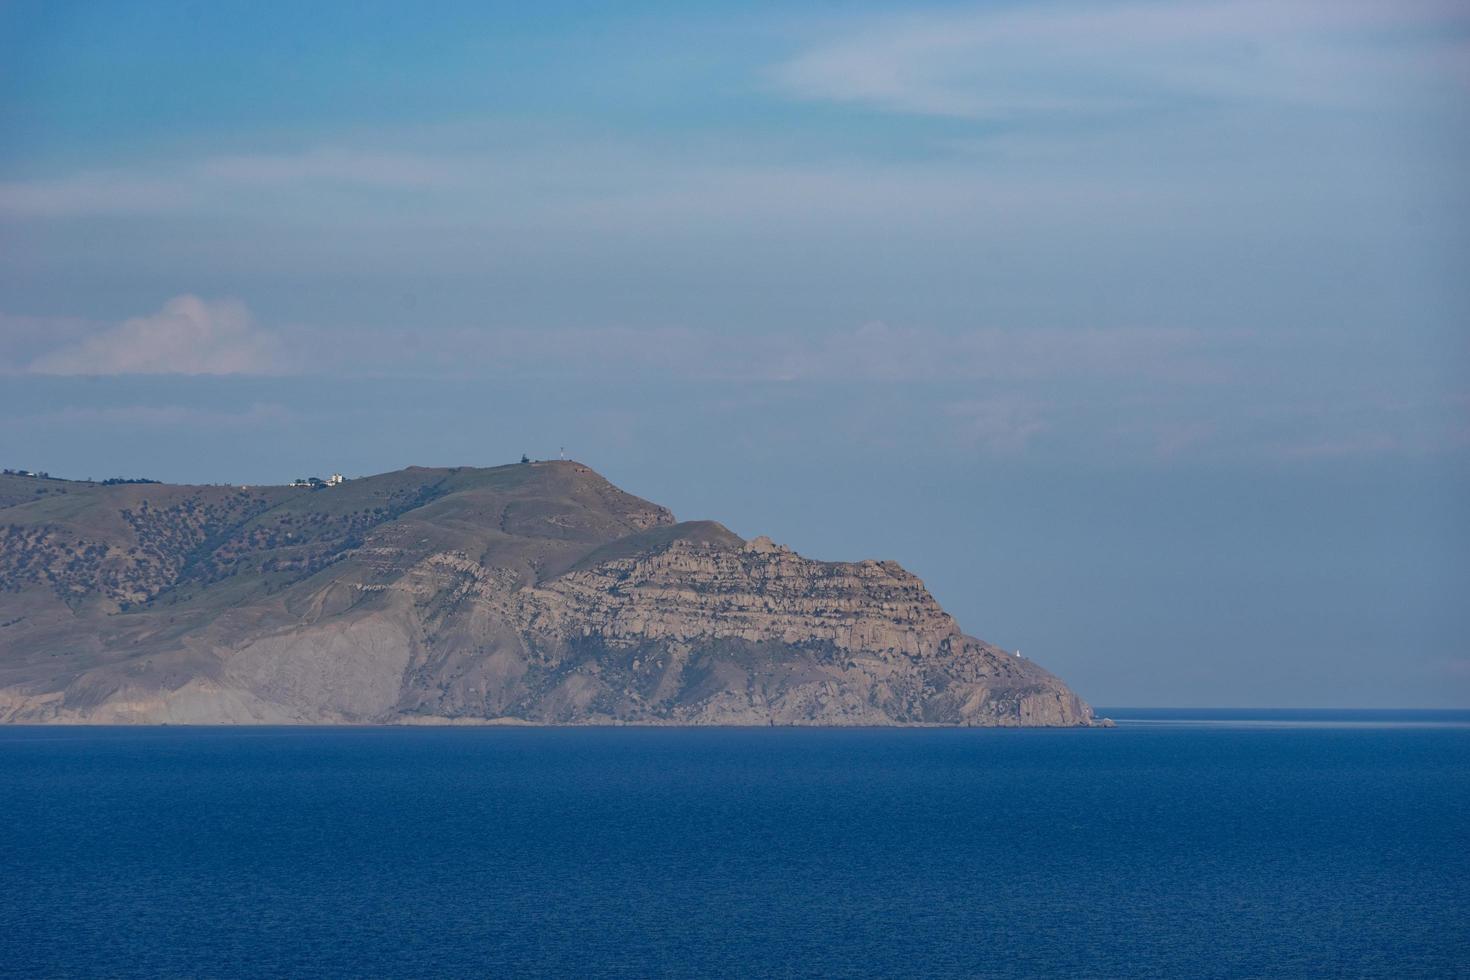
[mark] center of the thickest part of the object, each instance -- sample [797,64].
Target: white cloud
[1010,62]
[188,336]
[91,193]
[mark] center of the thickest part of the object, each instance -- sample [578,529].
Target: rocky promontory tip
[529,593]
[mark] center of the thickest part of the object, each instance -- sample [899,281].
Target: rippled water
[1177,845]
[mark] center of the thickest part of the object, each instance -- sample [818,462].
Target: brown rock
[531,593]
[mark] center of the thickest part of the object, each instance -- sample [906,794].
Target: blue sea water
[1180,844]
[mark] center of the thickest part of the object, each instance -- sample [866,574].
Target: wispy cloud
[337,166]
[94,193]
[203,182]
[1163,393]
[874,351]
[557,191]
[998,424]
[1073,59]
[24,338]
[188,336]
[133,417]
[879,352]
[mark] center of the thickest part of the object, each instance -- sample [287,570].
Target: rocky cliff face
[534,593]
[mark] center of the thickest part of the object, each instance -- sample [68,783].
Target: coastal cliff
[531,593]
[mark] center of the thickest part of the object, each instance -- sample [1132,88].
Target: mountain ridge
[529,593]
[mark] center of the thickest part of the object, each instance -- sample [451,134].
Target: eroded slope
[531,593]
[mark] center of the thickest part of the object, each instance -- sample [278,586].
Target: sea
[1178,844]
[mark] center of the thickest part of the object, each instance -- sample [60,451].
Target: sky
[1139,330]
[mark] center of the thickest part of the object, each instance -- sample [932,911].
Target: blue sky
[1138,329]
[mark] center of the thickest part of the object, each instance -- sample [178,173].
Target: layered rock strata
[536,593]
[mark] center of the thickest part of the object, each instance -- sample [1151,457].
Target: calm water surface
[1177,845]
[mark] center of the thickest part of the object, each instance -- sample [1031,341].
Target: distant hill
[535,592]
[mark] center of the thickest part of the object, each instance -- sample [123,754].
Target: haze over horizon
[1137,330]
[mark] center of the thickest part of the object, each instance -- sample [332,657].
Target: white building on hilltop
[316,482]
